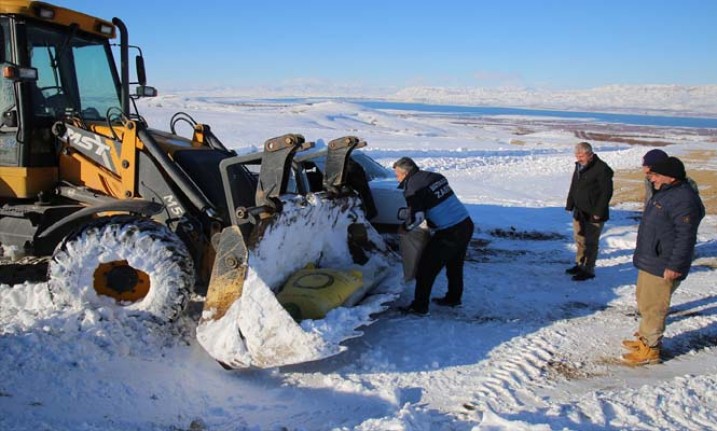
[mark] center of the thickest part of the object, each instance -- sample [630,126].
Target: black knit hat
[653,157]
[671,167]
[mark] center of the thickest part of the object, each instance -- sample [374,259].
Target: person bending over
[430,198]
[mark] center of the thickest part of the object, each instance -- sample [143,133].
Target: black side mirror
[145,91]
[141,72]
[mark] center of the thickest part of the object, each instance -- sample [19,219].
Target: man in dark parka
[663,255]
[588,200]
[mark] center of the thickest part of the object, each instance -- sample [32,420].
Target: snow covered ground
[530,349]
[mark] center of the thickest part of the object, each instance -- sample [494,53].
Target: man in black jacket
[588,199]
[663,256]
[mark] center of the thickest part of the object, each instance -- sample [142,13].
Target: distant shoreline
[604,117]
[626,117]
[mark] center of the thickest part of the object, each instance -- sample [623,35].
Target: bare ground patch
[629,183]
[632,140]
[641,135]
[569,370]
[513,233]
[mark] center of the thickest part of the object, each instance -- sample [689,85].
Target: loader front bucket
[243,323]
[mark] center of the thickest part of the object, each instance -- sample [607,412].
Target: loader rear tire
[139,264]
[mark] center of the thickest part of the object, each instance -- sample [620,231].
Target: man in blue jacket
[665,246]
[430,198]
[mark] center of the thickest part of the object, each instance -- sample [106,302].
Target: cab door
[28,160]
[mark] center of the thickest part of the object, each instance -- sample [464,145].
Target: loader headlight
[105,29]
[19,73]
[45,12]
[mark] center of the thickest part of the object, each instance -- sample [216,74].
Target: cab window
[75,74]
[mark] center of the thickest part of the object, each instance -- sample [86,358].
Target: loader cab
[56,64]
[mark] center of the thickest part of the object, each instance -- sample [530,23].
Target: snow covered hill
[647,99]
[653,99]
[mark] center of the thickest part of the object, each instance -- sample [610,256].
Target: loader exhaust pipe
[124,64]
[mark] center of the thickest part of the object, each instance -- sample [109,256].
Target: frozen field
[530,349]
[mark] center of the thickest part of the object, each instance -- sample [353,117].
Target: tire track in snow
[527,372]
[512,371]
[610,398]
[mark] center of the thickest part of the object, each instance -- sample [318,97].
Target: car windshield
[373,169]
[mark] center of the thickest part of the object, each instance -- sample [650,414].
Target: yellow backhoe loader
[146,217]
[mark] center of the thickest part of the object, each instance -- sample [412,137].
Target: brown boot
[633,345]
[643,355]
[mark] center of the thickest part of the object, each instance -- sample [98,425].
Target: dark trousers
[447,248]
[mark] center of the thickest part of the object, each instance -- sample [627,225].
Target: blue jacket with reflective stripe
[429,192]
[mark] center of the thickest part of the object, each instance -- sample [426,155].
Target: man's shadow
[696,339]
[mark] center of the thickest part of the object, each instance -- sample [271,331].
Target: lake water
[478,111]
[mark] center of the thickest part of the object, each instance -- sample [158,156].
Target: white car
[390,204]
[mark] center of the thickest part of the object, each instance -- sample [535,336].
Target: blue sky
[568,44]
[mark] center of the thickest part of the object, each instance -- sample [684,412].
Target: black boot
[413,309]
[583,275]
[446,302]
[573,270]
